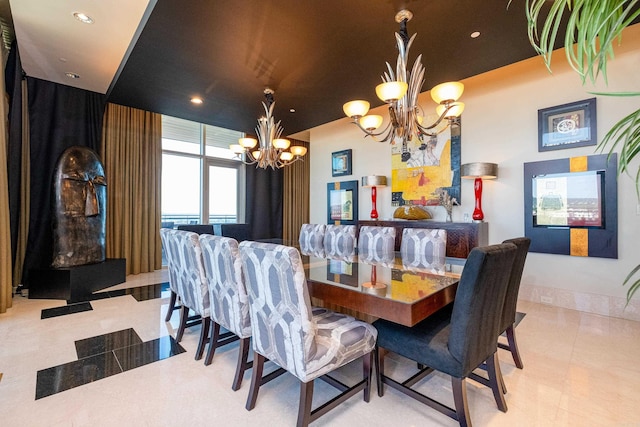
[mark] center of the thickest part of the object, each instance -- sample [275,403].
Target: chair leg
[304,408]
[460,399]
[513,347]
[379,361]
[256,380]
[172,306]
[243,354]
[213,343]
[184,315]
[495,376]
[367,362]
[204,337]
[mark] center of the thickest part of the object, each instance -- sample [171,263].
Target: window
[202,180]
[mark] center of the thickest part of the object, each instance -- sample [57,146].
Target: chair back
[312,239]
[477,308]
[340,240]
[191,284]
[511,299]
[279,305]
[173,278]
[223,273]
[422,247]
[376,244]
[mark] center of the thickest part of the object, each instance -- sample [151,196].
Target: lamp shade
[370,122]
[281,143]
[236,148]
[391,91]
[449,91]
[374,181]
[298,150]
[248,142]
[355,109]
[456,109]
[286,156]
[479,170]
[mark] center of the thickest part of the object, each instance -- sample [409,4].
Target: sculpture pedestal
[76,283]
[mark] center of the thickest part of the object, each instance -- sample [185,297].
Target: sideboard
[461,236]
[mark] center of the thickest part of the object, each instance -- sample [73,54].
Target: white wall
[500,125]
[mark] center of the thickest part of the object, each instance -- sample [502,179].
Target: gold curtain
[25,193]
[295,203]
[5,227]
[132,157]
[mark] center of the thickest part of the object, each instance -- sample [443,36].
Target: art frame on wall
[342,202]
[341,163]
[568,125]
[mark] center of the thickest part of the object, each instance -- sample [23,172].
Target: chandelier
[400,91]
[272,151]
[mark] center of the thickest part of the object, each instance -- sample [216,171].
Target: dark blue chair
[460,337]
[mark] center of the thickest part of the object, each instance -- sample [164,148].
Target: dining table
[393,289]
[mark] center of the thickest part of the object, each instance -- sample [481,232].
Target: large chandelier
[400,91]
[272,151]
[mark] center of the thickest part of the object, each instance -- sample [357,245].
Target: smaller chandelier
[400,91]
[272,151]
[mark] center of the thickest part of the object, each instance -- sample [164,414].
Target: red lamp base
[478,215]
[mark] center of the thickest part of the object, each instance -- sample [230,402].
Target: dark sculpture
[79,222]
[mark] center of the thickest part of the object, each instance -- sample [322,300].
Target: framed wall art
[341,163]
[567,126]
[342,202]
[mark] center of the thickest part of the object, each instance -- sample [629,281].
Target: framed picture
[341,163]
[567,126]
[342,202]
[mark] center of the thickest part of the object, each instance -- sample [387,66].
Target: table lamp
[478,171]
[374,181]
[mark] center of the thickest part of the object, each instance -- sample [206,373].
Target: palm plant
[591,29]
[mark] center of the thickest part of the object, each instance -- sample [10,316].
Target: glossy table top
[390,290]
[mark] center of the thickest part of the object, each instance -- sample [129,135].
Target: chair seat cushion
[425,343]
[339,340]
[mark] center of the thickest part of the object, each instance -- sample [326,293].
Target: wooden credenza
[461,236]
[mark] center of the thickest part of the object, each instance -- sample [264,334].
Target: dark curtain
[13,80]
[59,117]
[264,202]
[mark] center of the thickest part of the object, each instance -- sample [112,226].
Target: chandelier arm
[372,134]
[437,122]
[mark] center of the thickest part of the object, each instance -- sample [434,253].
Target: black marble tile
[147,352]
[145,293]
[73,374]
[107,342]
[65,309]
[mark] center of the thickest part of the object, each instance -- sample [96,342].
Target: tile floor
[580,370]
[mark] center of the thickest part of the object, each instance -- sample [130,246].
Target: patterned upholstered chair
[173,279]
[229,301]
[307,344]
[376,244]
[340,241]
[192,286]
[424,248]
[312,239]
[460,337]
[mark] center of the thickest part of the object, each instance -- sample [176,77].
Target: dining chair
[340,240]
[507,323]
[312,239]
[421,246]
[192,286]
[308,344]
[229,302]
[376,244]
[458,338]
[171,268]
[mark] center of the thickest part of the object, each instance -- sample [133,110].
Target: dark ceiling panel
[316,55]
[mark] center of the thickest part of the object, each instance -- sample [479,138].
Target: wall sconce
[478,171]
[374,181]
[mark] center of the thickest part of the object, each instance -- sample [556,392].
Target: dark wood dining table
[390,290]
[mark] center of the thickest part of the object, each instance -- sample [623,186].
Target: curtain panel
[132,157]
[6,290]
[295,198]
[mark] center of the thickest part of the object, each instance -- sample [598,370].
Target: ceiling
[316,55]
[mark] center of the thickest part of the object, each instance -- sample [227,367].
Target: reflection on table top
[392,290]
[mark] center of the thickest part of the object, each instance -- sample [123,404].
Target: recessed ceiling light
[72,75]
[475,34]
[196,100]
[292,110]
[82,17]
